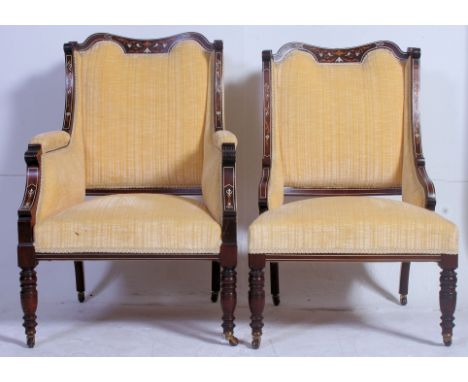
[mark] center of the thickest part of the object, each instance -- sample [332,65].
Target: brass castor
[214,296]
[447,339]
[403,299]
[81,296]
[276,299]
[256,341]
[232,339]
[31,341]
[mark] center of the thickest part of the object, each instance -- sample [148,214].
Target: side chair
[341,126]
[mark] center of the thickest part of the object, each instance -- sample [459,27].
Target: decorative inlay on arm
[129,45]
[345,55]
[29,196]
[228,198]
[229,177]
[263,187]
[27,209]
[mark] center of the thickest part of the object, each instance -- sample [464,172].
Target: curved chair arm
[54,181]
[229,203]
[218,167]
[417,187]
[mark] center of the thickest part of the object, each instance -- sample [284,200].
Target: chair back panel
[339,125]
[142,116]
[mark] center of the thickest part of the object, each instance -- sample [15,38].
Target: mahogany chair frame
[257,262]
[223,264]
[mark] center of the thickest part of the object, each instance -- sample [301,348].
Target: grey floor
[190,326]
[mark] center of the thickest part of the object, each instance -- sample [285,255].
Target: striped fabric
[352,225]
[142,115]
[130,223]
[339,125]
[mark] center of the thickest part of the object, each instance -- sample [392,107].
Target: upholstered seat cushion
[130,223]
[352,225]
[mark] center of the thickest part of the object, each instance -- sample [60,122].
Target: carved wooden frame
[227,257]
[257,261]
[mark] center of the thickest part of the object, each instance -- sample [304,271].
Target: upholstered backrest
[142,115]
[339,124]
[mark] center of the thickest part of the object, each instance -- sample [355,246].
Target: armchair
[143,126]
[342,125]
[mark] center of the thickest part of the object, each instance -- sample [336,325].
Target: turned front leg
[228,303]
[448,296]
[256,296]
[28,281]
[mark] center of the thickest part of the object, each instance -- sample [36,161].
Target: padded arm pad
[51,140]
[223,136]
[62,181]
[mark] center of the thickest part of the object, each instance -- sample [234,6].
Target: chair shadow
[10,340]
[348,317]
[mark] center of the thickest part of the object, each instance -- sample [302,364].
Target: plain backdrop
[32,101]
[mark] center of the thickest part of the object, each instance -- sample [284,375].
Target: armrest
[54,179]
[417,187]
[218,178]
[221,137]
[52,140]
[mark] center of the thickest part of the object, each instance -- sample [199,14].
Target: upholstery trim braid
[352,225]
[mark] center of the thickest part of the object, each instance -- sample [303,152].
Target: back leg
[274,278]
[80,283]
[215,280]
[404,279]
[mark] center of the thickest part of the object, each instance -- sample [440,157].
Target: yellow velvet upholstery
[339,125]
[130,223]
[276,181]
[142,115]
[51,140]
[140,120]
[352,225]
[412,189]
[62,172]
